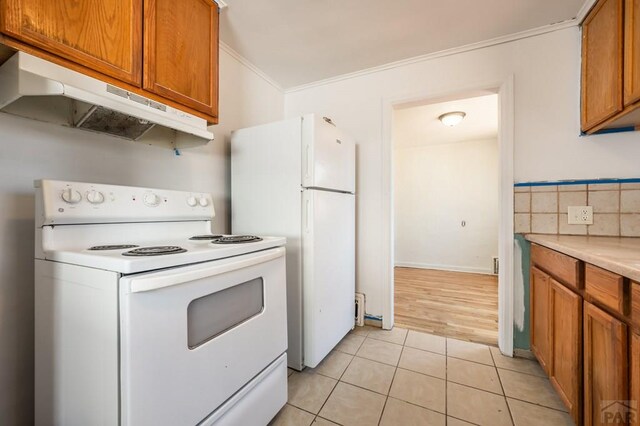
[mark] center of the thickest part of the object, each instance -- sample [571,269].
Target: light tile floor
[404,378]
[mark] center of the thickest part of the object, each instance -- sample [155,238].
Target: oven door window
[213,314]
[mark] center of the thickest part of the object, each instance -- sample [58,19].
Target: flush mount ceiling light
[452,118]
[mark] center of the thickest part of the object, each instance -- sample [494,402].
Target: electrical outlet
[580,215]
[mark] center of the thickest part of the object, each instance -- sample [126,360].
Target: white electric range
[143,317]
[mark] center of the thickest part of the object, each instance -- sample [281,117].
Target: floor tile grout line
[386,399]
[462,420]
[336,384]
[363,388]
[346,368]
[520,372]
[390,386]
[328,396]
[475,362]
[424,374]
[503,391]
[446,383]
[425,350]
[301,409]
[476,388]
[384,341]
[417,405]
[332,389]
[536,404]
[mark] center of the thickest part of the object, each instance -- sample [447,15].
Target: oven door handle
[142,284]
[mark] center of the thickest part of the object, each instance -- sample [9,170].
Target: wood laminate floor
[452,304]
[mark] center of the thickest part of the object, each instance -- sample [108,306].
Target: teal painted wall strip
[521,339]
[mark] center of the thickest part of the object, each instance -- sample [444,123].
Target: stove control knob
[95,197]
[151,199]
[192,202]
[71,196]
[204,201]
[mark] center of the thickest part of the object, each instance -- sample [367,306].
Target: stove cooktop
[151,253]
[113,247]
[205,237]
[155,251]
[236,239]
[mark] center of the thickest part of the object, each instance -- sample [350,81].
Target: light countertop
[615,254]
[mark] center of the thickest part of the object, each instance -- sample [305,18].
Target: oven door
[192,337]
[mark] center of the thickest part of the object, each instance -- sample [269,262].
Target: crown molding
[244,61]
[443,53]
[584,10]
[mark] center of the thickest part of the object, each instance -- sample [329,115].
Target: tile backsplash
[541,207]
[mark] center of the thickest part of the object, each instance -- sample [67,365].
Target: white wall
[436,187]
[30,150]
[546,71]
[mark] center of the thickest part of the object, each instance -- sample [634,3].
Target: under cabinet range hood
[34,88]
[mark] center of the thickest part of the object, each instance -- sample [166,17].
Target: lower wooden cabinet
[540,326]
[566,344]
[606,361]
[635,378]
[585,332]
[556,337]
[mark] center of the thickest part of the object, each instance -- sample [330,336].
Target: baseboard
[523,353]
[372,320]
[469,269]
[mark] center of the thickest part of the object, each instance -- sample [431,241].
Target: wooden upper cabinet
[540,319]
[181,52]
[602,63]
[103,35]
[606,362]
[566,344]
[631,52]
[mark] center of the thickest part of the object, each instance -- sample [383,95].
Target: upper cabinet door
[103,35]
[632,52]
[602,37]
[181,52]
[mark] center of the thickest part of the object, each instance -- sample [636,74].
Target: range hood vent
[103,120]
[34,88]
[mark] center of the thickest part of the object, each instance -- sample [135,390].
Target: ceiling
[296,42]
[416,126]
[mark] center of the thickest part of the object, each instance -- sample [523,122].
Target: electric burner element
[113,247]
[154,251]
[205,237]
[237,239]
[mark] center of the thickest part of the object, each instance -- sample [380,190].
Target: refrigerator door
[328,247]
[328,156]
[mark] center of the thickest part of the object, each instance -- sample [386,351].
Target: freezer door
[328,156]
[328,271]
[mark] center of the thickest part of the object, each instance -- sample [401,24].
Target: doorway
[446,174]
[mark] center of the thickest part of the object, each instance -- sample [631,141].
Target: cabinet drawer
[635,303]
[565,268]
[607,288]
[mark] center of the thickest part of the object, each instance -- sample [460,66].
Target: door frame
[505,91]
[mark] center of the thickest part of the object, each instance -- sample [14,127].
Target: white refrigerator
[296,178]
